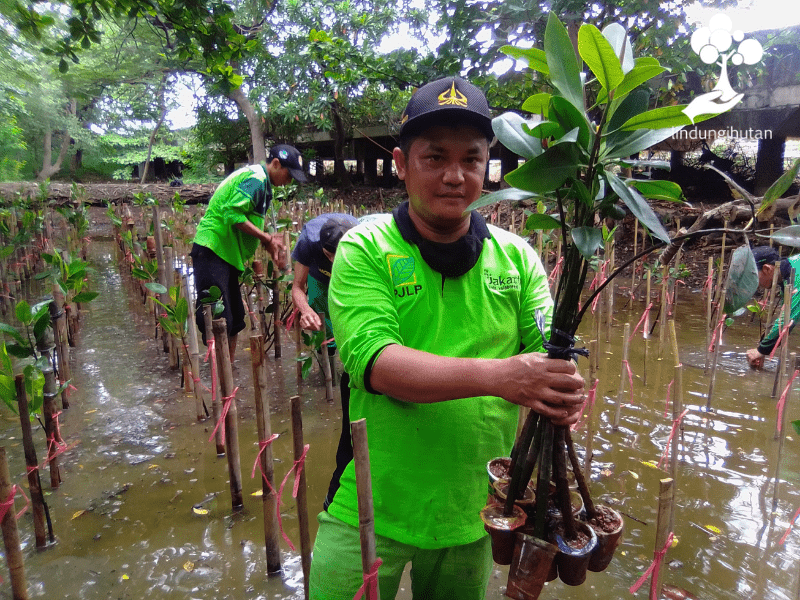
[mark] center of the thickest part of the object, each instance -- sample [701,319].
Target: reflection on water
[124,515]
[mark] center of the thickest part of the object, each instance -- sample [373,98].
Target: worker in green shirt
[231,229]
[766,258]
[433,311]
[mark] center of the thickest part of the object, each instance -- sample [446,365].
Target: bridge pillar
[769,163]
[508,162]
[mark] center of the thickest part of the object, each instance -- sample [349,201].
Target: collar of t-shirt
[453,259]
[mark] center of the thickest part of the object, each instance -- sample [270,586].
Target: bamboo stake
[169,269]
[677,409]
[298,343]
[624,371]
[717,346]
[162,270]
[709,305]
[264,427]
[780,434]
[300,481]
[662,323]
[635,250]
[649,279]
[773,295]
[51,425]
[16,566]
[787,317]
[194,352]
[610,290]
[220,329]
[366,516]
[31,462]
[276,313]
[58,320]
[587,459]
[214,384]
[665,508]
[326,364]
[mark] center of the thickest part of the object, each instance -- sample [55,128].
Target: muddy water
[124,515]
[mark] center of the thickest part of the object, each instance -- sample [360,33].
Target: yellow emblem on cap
[452,97]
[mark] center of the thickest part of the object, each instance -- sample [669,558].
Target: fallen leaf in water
[634,475]
[88,412]
[670,592]
[77,514]
[125,577]
[199,511]
[258,493]
[674,541]
[713,529]
[188,566]
[153,467]
[606,472]
[649,463]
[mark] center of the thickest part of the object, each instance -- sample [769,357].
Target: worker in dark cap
[767,260]
[231,230]
[313,260]
[433,311]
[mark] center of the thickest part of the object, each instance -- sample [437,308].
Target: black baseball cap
[332,231]
[448,101]
[289,157]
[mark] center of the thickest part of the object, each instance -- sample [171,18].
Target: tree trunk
[48,170]
[163,115]
[256,129]
[339,170]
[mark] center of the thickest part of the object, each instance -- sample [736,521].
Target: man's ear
[275,164]
[399,163]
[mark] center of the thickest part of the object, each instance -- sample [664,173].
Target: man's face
[278,174]
[444,173]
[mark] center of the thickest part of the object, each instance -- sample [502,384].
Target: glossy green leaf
[796,425]
[633,142]
[181,310]
[599,55]
[658,189]
[742,279]
[538,104]
[534,57]
[782,184]
[23,312]
[539,221]
[621,44]
[505,195]
[569,118]
[632,105]
[508,128]
[9,330]
[646,68]
[86,297]
[587,240]
[562,62]
[788,236]
[638,206]
[546,172]
[155,287]
[661,118]
[545,129]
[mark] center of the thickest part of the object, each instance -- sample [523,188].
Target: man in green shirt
[231,229]
[434,317]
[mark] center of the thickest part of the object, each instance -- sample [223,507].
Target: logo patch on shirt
[501,282]
[402,269]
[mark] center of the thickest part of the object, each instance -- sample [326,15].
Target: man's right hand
[755,358]
[310,320]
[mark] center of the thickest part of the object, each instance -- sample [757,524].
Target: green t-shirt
[768,342]
[244,195]
[428,461]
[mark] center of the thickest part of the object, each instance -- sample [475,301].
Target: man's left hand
[276,250]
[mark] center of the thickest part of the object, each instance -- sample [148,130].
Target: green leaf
[140,273]
[638,206]
[617,36]
[599,55]
[570,117]
[636,141]
[19,350]
[788,236]
[507,194]
[742,279]
[646,68]
[562,62]
[632,105]
[8,329]
[181,310]
[85,296]
[661,118]
[23,312]
[168,326]
[587,240]
[539,221]
[546,172]
[218,309]
[508,128]
[41,323]
[156,288]
[534,57]
[545,129]
[796,425]
[658,189]
[538,104]
[777,189]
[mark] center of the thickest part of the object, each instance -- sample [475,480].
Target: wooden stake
[162,269]
[214,385]
[773,295]
[635,250]
[649,279]
[34,483]
[302,504]
[193,351]
[662,323]
[780,434]
[665,502]
[276,313]
[16,566]
[220,329]
[58,319]
[709,310]
[51,429]
[623,374]
[784,350]
[366,516]
[326,364]
[609,291]
[717,346]
[169,270]
[677,409]
[264,426]
[298,342]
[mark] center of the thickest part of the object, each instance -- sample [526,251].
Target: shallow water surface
[141,463]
